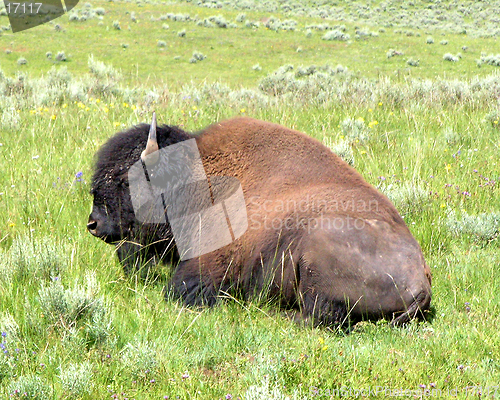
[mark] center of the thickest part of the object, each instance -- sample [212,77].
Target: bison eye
[123,182]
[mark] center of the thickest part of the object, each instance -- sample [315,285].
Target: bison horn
[150,155]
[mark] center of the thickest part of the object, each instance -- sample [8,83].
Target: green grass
[92,333]
[231,52]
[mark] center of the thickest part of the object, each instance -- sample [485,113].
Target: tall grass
[73,326]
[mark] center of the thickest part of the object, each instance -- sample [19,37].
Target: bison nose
[92,227]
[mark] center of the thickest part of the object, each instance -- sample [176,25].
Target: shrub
[219,21]
[116,25]
[343,149]
[241,17]
[354,129]
[481,228]
[443,42]
[490,59]
[22,61]
[67,307]
[430,40]
[8,328]
[104,78]
[29,259]
[100,11]
[450,57]
[451,136]
[161,43]
[252,24]
[257,67]
[493,118]
[182,33]
[265,391]
[7,366]
[76,379]
[10,118]
[336,35]
[31,387]
[140,359]
[391,53]
[408,197]
[61,56]
[412,62]
[197,56]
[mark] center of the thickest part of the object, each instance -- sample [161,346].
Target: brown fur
[328,271]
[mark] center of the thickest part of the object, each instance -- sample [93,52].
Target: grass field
[421,126]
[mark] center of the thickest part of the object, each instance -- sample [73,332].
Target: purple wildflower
[4,334]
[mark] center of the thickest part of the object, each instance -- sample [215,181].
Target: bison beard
[320,238]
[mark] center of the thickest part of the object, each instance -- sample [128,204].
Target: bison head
[112,218]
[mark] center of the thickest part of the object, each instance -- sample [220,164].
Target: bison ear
[151,155]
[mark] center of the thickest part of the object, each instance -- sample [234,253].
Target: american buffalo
[319,239]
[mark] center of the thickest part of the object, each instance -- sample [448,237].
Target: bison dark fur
[320,238]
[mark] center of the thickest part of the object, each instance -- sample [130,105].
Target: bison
[318,238]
